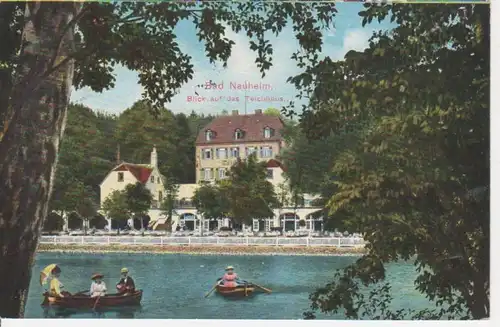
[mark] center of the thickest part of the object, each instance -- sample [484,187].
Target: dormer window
[238,134]
[209,135]
[268,132]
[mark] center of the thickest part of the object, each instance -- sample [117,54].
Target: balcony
[184,204]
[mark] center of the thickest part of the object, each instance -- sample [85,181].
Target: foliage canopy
[410,116]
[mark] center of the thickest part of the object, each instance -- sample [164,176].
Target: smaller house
[129,173]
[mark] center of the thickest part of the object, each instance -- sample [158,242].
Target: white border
[495,287]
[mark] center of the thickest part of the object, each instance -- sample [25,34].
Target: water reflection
[128,312]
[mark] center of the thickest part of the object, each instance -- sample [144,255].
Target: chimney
[235,112]
[118,161]
[154,157]
[258,111]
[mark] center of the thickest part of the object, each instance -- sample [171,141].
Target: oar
[213,288]
[262,288]
[81,292]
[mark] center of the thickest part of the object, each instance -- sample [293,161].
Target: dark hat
[96,275]
[56,270]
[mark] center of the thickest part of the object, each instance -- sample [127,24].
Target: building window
[250,150]
[206,174]
[266,152]
[235,152]
[158,180]
[269,174]
[221,153]
[120,177]
[206,154]
[209,135]
[160,196]
[221,173]
[238,134]
[152,179]
[268,132]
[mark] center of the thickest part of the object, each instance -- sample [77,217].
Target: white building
[128,173]
[287,217]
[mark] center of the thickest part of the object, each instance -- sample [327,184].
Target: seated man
[230,278]
[98,287]
[126,283]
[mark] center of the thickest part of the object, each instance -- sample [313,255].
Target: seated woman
[230,278]
[98,287]
[55,285]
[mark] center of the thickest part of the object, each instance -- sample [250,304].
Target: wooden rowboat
[238,291]
[82,301]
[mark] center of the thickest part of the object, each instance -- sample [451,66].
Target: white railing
[189,240]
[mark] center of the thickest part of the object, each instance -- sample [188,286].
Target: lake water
[174,285]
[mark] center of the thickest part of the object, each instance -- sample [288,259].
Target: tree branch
[73,22]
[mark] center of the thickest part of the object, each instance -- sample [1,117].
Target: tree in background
[283,194]
[86,207]
[308,161]
[53,223]
[78,199]
[115,206]
[245,194]
[211,201]
[169,203]
[87,151]
[184,137]
[138,199]
[137,130]
[410,116]
[248,191]
[272,112]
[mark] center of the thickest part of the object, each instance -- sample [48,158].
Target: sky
[348,34]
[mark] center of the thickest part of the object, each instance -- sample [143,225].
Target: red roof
[252,126]
[140,172]
[273,163]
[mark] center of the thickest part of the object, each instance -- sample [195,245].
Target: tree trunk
[28,150]
[10,42]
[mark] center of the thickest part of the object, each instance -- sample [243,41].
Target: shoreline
[204,249]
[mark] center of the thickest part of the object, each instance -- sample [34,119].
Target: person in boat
[126,283]
[230,278]
[56,287]
[98,287]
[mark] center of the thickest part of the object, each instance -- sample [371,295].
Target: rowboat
[83,301]
[241,290]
